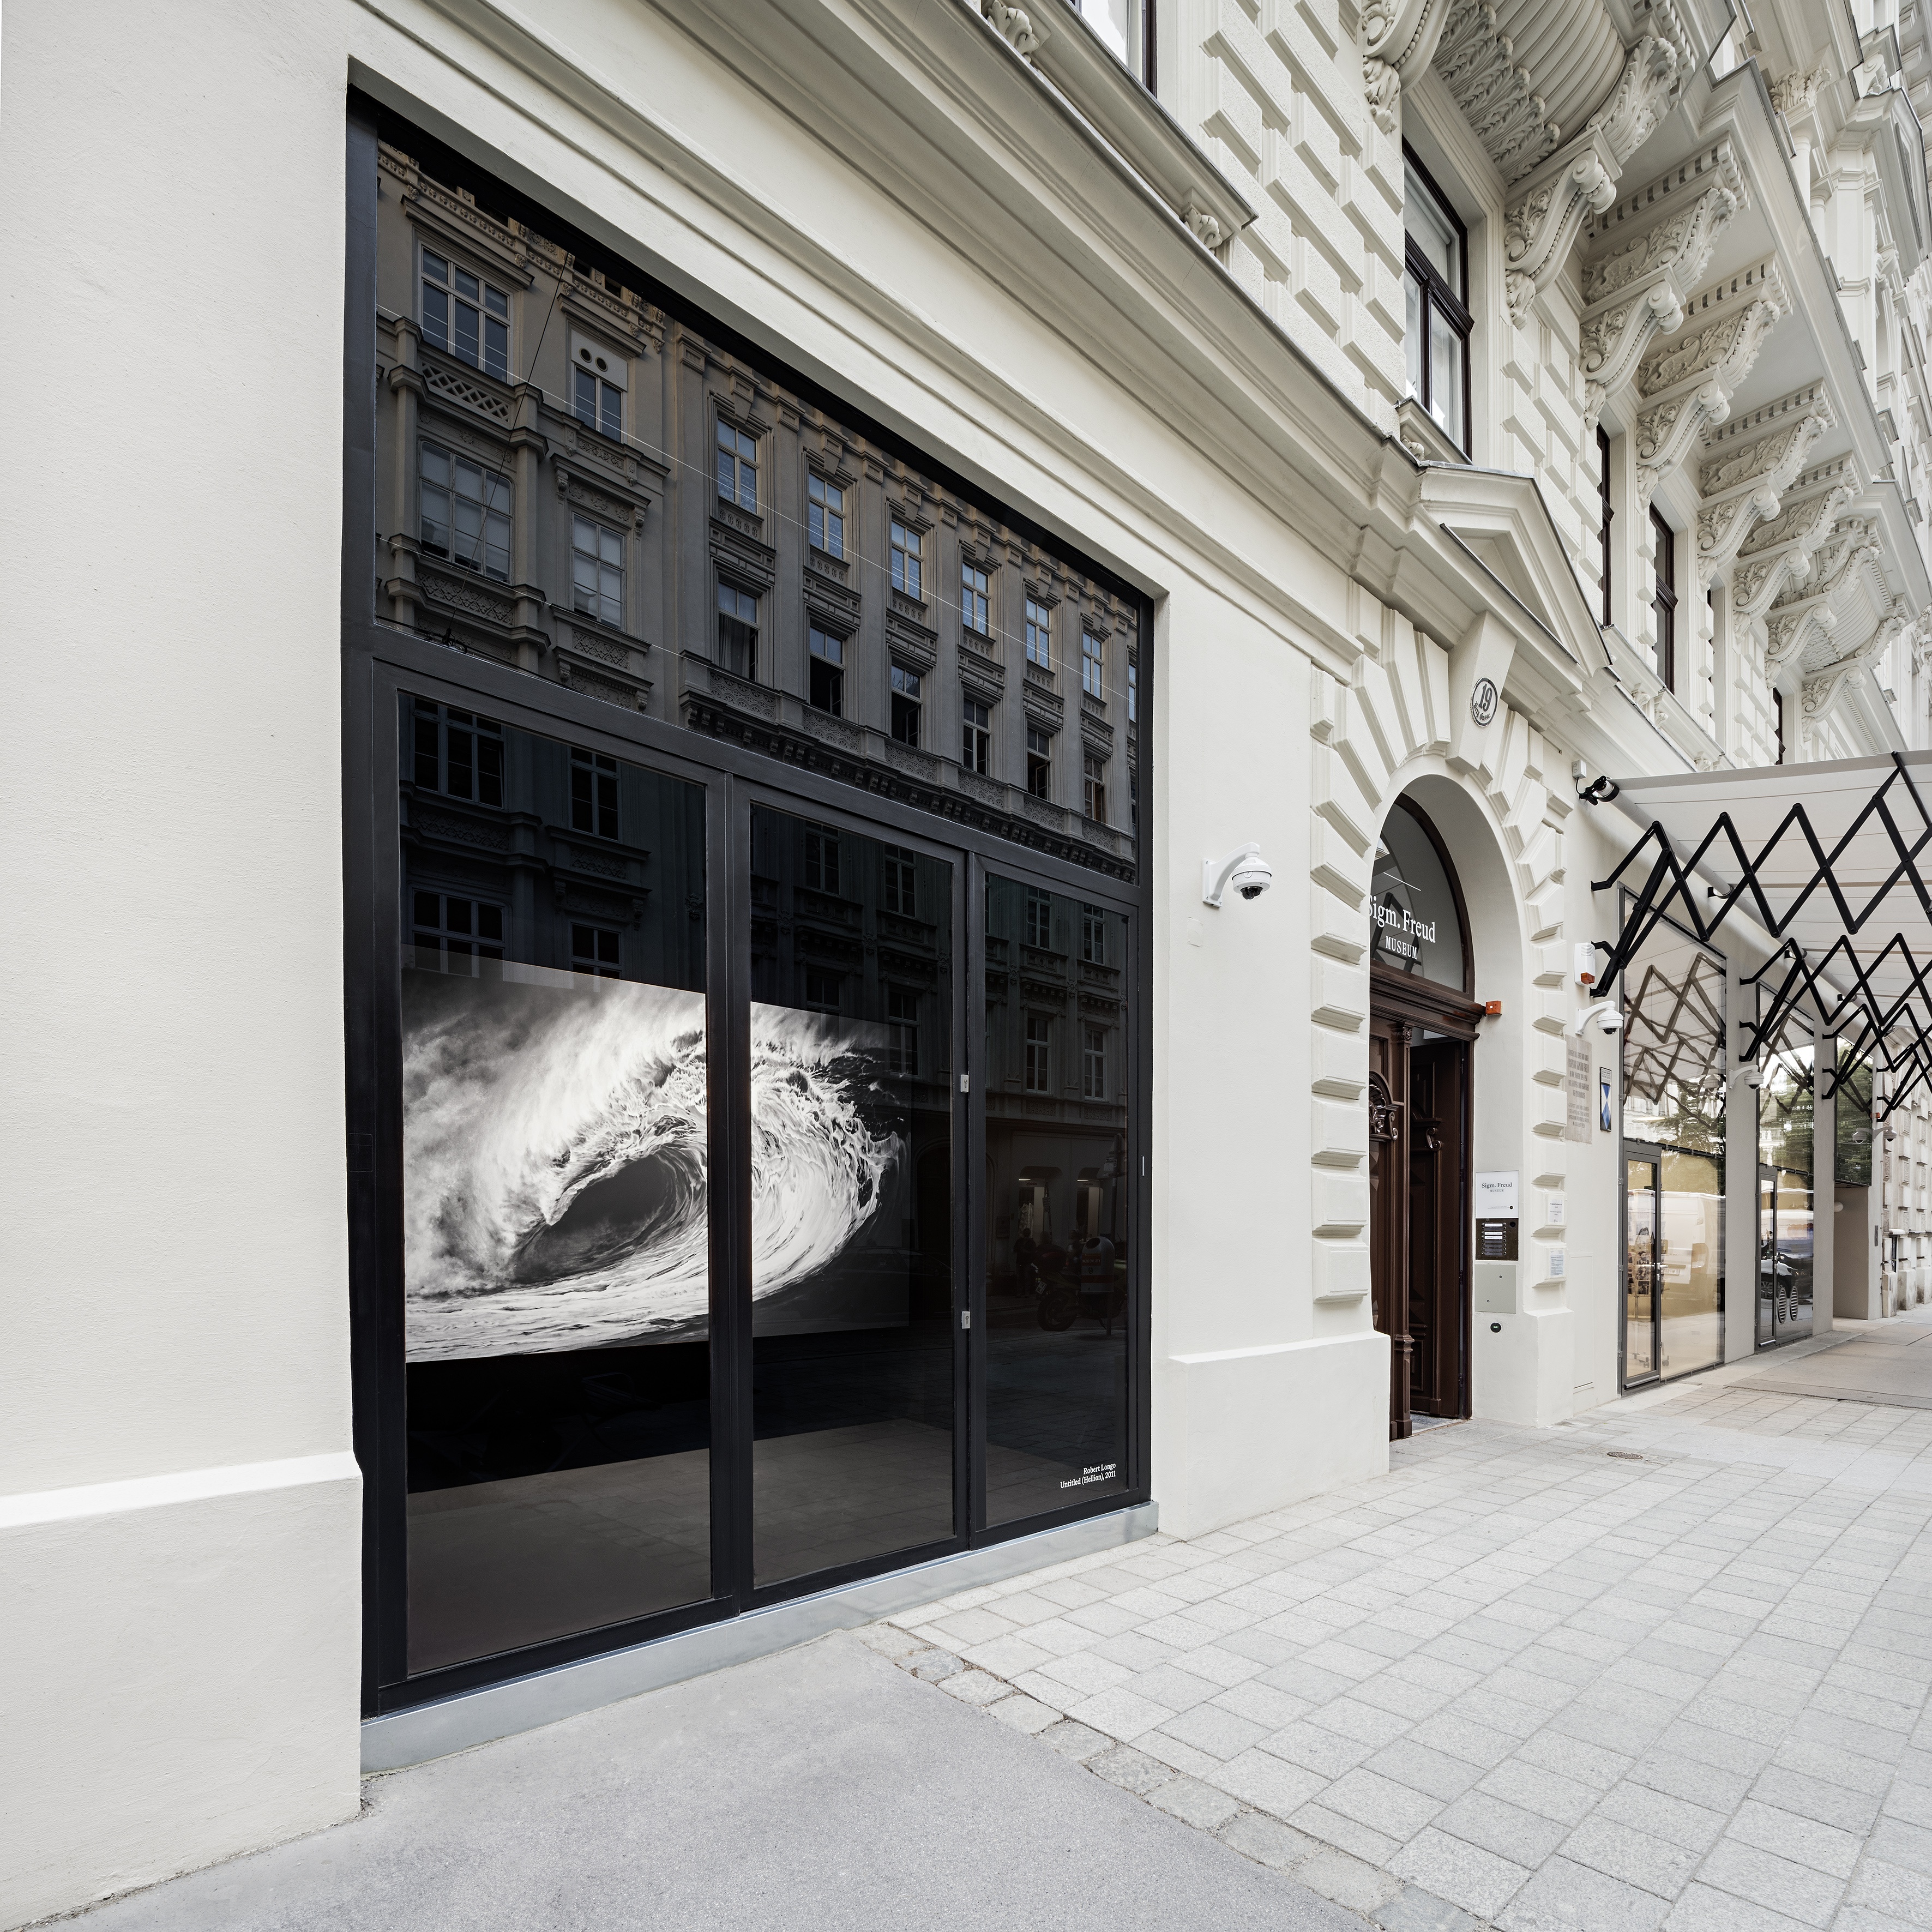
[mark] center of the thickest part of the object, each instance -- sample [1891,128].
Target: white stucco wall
[182,1654]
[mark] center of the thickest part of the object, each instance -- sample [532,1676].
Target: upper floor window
[453,935]
[974,612]
[737,630]
[908,561]
[1038,1053]
[465,511]
[1664,600]
[1435,287]
[821,859]
[1039,919]
[1040,762]
[1092,666]
[906,704]
[976,750]
[1133,693]
[593,794]
[824,989]
[737,467]
[594,950]
[901,878]
[598,403]
[1094,1062]
[1040,633]
[597,571]
[902,1030]
[1604,513]
[464,315]
[455,753]
[825,514]
[1126,28]
[827,655]
[1095,802]
[1093,935]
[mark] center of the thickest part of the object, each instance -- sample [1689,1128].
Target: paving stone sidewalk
[1666,1668]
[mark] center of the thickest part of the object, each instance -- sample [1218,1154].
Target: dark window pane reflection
[852,1312]
[1056,1202]
[556,1251]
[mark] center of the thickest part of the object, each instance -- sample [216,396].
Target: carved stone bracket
[1021,31]
[1778,553]
[1688,380]
[1803,618]
[1645,256]
[1539,229]
[1744,480]
[1398,36]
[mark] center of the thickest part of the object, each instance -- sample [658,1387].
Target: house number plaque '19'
[1482,700]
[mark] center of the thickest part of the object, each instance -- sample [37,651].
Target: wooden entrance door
[1438,1085]
[1418,1211]
[1388,1203]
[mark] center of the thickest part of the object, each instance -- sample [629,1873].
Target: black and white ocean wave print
[555,1159]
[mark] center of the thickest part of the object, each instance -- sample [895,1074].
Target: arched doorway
[1422,1025]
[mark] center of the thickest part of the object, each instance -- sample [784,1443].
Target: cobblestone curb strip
[1657,1670]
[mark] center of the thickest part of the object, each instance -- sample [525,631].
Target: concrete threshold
[461,1723]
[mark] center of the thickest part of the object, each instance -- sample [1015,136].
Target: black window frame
[1606,512]
[1437,293]
[1663,599]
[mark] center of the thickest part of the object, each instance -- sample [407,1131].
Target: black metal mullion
[973,1208]
[732,1192]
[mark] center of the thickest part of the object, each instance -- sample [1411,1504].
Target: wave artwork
[555,1161]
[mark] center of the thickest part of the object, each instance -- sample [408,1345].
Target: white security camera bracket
[1602,1010]
[1214,878]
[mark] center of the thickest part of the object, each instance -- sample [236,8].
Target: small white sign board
[1495,1196]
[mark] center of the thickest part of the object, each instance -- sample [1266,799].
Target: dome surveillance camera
[1244,869]
[1607,1013]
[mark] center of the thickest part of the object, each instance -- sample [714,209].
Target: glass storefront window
[1673,1054]
[1057,1205]
[556,1238]
[852,1321]
[1786,1212]
[1852,1120]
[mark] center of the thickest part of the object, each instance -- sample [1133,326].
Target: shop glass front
[1786,1210]
[1673,1050]
[746,1062]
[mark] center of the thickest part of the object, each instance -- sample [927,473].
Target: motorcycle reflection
[1066,1283]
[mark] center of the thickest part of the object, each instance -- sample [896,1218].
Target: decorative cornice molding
[1398,37]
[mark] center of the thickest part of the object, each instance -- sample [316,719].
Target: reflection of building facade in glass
[618,500]
[1057,1208]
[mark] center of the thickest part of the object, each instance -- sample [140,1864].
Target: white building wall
[179,1320]
[180,1526]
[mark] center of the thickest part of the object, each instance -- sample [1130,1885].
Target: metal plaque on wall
[1577,1090]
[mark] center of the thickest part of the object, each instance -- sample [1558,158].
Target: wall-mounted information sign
[1496,1194]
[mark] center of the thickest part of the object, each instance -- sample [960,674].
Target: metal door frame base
[459,1724]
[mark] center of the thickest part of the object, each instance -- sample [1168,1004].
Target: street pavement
[814,1791]
[1665,1666]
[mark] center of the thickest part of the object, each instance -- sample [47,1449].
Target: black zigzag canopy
[1831,860]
